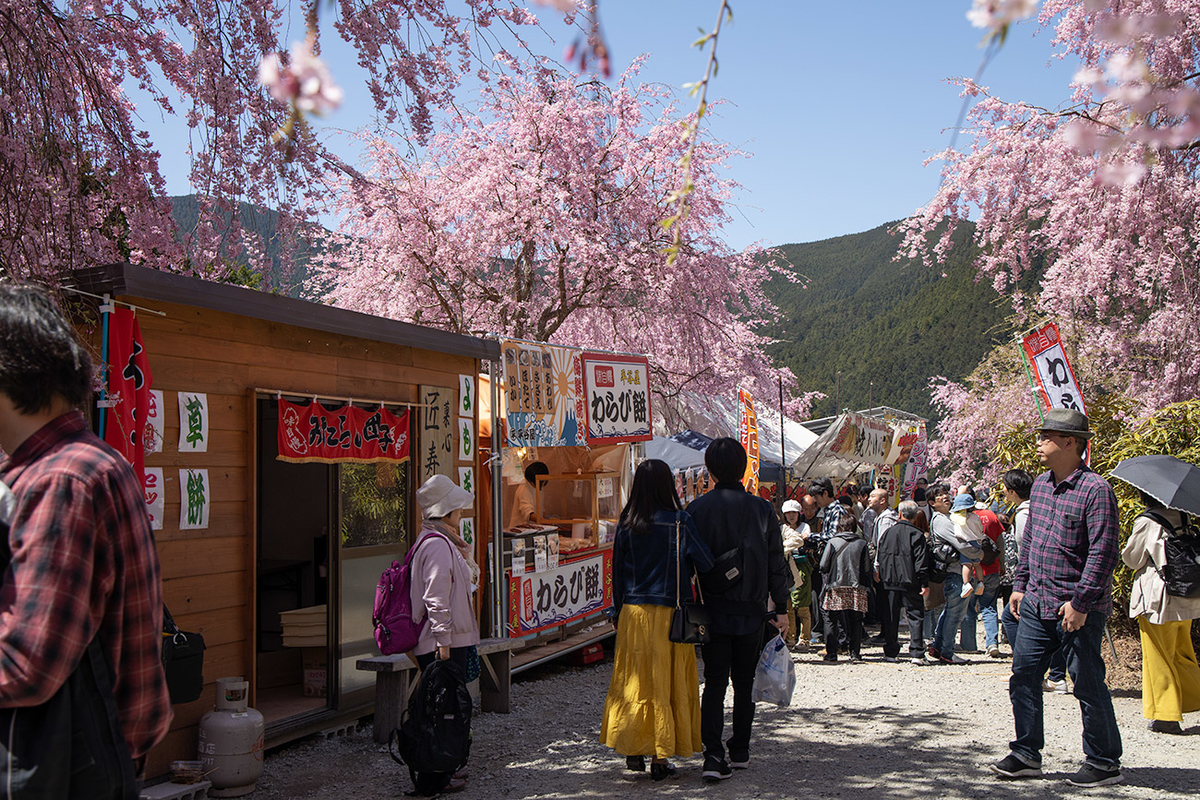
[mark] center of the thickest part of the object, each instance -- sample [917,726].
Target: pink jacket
[441,590]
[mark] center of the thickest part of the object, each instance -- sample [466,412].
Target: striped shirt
[83,564]
[1070,546]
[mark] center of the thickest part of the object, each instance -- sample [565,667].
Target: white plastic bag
[775,676]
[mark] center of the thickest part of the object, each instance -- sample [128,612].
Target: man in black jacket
[902,564]
[729,517]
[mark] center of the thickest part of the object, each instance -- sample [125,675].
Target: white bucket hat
[440,496]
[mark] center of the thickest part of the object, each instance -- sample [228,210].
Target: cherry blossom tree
[539,216]
[1101,194]
[82,183]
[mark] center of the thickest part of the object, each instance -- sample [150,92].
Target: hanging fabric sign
[129,382]
[748,432]
[1053,379]
[616,398]
[312,433]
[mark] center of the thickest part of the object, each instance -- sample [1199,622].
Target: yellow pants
[1170,674]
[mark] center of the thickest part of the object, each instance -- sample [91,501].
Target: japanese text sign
[1054,380]
[616,398]
[193,422]
[194,499]
[312,433]
[543,389]
[748,433]
[546,599]
[437,432]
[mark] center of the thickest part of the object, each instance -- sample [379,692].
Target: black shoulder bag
[689,623]
[183,661]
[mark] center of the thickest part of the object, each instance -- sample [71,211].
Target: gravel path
[870,730]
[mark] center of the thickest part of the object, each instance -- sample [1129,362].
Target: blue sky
[837,103]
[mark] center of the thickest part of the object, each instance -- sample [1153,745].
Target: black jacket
[846,562]
[903,557]
[727,517]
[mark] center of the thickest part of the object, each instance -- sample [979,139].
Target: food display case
[584,506]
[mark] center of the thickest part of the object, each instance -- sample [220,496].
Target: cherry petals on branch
[537,217]
[1099,198]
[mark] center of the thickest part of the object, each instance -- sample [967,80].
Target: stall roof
[821,424]
[150,284]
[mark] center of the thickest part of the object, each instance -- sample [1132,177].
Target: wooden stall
[277,568]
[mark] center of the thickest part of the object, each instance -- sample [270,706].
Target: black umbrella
[1174,483]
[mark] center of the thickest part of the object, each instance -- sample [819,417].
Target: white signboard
[545,599]
[155,422]
[616,398]
[466,439]
[466,479]
[466,396]
[852,440]
[194,499]
[155,493]
[193,422]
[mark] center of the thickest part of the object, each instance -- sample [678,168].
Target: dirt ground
[870,730]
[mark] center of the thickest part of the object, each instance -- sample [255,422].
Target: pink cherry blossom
[996,14]
[306,82]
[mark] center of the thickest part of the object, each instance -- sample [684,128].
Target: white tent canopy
[715,415]
[676,455]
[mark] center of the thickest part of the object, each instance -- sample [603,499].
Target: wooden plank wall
[208,574]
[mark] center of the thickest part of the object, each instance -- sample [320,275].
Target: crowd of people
[1032,559]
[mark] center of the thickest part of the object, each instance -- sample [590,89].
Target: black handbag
[690,621]
[183,661]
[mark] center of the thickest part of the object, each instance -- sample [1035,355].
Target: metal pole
[782,446]
[837,395]
[499,585]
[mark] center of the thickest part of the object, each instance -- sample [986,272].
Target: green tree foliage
[856,309]
[1174,431]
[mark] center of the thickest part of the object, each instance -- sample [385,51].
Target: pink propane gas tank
[231,741]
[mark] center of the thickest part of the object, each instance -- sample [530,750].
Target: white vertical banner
[466,478]
[193,422]
[466,396]
[466,438]
[155,423]
[194,499]
[155,494]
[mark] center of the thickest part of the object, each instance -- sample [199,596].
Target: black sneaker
[739,760]
[1089,776]
[1012,767]
[715,769]
[635,763]
[1165,726]
[663,770]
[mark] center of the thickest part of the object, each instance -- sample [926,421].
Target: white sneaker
[967,590]
[957,659]
[1057,687]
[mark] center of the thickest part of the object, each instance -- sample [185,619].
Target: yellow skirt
[1170,673]
[653,702]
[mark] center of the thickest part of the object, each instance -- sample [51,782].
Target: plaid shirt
[83,563]
[831,515]
[1070,545]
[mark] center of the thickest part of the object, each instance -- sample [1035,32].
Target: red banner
[312,433]
[748,432]
[129,382]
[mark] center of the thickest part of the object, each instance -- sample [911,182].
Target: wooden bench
[396,676]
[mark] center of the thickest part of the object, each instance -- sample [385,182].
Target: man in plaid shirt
[1062,596]
[81,561]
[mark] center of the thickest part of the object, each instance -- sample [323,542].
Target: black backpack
[1181,573]
[434,737]
[990,551]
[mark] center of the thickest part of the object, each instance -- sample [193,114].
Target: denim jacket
[644,564]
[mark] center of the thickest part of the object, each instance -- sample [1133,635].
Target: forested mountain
[896,323]
[262,222]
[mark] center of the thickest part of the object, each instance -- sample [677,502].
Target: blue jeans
[952,614]
[982,605]
[1058,662]
[1037,641]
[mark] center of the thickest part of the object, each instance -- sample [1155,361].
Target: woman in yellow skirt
[1170,674]
[653,703]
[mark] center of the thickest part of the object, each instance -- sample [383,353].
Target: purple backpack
[395,630]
